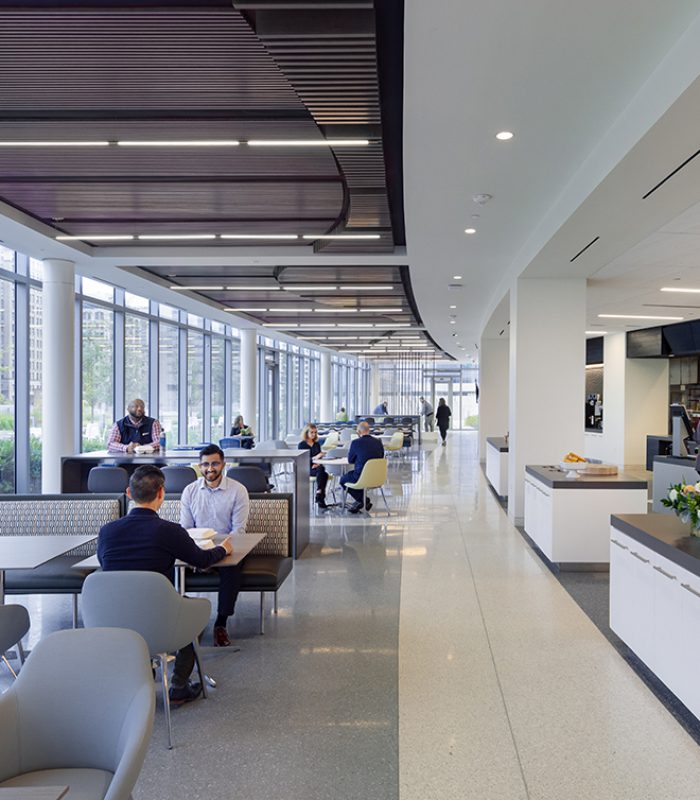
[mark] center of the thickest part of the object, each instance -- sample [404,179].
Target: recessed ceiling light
[308,142]
[453,306]
[354,325]
[173,236]
[457,277]
[246,309]
[634,316]
[180,143]
[342,236]
[453,322]
[470,230]
[253,288]
[679,289]
[596,333]
[268,236]
[308,288]
[193,288]
[319,326]
[366,288]
[290,310]
[284,327]
[336,310]
[504,136]
[53,144]
[314,338]
[100,237]
[343,338]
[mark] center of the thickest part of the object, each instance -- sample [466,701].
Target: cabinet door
[689,370]
[688,683]
[667,624]
[674,371]
[641,596]
[530,512]
[620,571]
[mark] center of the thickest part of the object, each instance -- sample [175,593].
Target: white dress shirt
[224,509]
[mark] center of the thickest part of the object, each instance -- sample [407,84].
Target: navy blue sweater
[362,450]
[143,541]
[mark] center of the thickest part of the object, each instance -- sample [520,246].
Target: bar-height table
[75,469]
[33,792]
[30,552]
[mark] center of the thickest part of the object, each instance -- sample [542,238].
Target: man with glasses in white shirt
[218,502]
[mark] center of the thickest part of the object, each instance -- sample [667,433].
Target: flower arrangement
[684,499]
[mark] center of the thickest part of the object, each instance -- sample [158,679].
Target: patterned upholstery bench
[58,514]
[269,563]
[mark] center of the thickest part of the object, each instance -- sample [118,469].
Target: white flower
[697,486]
[673,495]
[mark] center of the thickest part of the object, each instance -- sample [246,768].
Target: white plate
[201,533]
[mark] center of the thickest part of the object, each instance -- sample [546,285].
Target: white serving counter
[655,598]
[497,464]
[569,518]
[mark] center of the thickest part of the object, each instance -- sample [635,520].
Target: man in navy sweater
[361,450]
[143,541]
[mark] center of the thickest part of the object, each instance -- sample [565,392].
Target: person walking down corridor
[426,409]
[442,416]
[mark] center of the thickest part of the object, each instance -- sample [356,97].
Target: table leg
[180,577]
[302,508]
[2,587]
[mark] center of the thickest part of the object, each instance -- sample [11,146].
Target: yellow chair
[395,444]
[373,476]
[331,442]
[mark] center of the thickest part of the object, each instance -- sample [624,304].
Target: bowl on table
[573,468]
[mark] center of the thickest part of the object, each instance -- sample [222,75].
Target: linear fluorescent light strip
[342,236]
[99,237]
[367,288]
[634,316]
[274,236]
[308,142]
[246,310]
[310,288]
[253,288]
[197,288]
[679,289]
[53,144]
[280,327]
[596,333]
[175,236]
[355,325]
[291,310]
[179,143]
[313,326]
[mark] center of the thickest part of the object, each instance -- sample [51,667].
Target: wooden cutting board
[600,469]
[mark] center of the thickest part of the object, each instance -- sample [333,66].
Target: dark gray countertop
[682,461]
[555,478]
[665,534]
[499,442]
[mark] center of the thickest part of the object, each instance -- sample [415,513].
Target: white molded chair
[14,624]
[80,714]
[395,444]
[331,441]
[373,476]
[146,602]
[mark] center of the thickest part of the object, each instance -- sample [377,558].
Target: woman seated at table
[241,429]
[309,441]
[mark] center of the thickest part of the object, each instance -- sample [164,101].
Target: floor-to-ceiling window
[218,387]
[195,387]
[7,377]
[136,359]
[97,375]
[168,376]
[35,395]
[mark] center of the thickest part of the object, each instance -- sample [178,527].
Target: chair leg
[75,611]
[381,489]
[7,664]
[262,613]
[276,606]
[198,662]
[20,653]
[163,658]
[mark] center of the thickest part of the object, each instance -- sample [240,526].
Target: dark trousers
[443,432]
[229,587]
[350,477]
[321,479]
[184,664]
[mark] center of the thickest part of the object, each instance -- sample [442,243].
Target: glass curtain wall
[7,378]
[168,380]
[136,356]
[218,387]
[195,387]
[97,375]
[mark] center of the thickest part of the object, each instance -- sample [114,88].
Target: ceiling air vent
[452,286]
[583,250]
[670,175]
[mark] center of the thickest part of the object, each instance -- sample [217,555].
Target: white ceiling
[580,85]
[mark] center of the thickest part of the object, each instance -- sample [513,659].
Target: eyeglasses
[207,464]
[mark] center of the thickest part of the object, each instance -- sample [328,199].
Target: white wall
[547,376]
[493,390]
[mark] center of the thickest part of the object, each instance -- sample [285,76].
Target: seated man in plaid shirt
[134,429]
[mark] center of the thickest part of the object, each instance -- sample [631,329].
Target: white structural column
[547,377]
[58,370]
[635,403]
[493,390]
[327,414]
[374,399]
[249,375]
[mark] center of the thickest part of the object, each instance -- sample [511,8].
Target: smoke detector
[482,199]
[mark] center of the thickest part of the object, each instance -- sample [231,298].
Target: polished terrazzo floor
[429,654]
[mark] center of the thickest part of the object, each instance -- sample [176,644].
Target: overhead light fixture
[343,338]
[355,325]
[596,333]
[201,288]
[318,326]
[284,327]
[335,310]
[253,288]
[367,288]
[308,142]
[175,236]
[453,306]
[291,310]
[504,136]
[679,289]
[453,322]
[267,236]
[342,236]
[397,310]
[99,237]
[53,144]
[397,325]
[457,277]
[635,316]
[314,338]
[246,310]
[470,230]
[308,288]
[179,143]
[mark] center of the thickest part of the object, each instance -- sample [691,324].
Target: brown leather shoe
[221,637]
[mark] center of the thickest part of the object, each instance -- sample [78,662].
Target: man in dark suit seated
[361,450]
[143,541]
